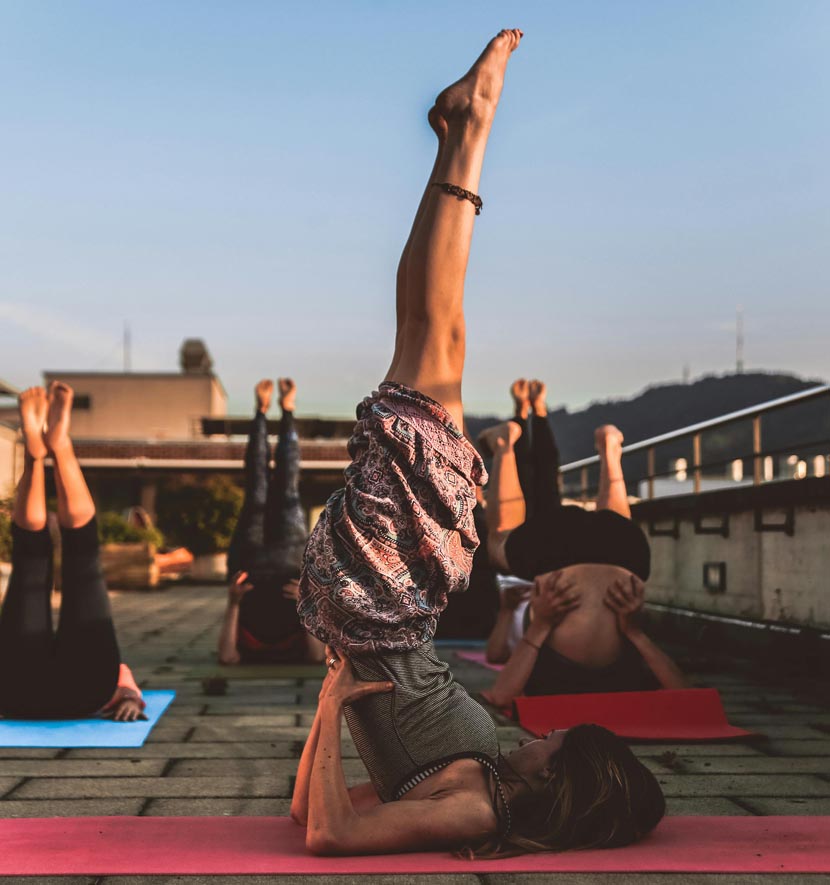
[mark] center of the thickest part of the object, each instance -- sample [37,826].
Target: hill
[666,407]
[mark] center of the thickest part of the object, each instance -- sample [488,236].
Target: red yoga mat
[104,846]
[685,714]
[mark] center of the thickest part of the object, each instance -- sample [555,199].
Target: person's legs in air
[248,539]
[612,493]
[286,529]
[26,638]
[86,650]
[544,454]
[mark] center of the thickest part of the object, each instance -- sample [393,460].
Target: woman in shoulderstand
[381,560]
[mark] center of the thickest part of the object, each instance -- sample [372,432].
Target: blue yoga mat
[85,732]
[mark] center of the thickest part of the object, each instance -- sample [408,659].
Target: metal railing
[755,413]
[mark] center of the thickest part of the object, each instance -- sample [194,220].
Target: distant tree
[113,528]
[199,514]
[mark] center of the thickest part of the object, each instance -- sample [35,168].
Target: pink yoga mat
[102,846]
[686,714]
[478,657]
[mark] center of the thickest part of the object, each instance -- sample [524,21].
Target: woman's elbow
[322,843]
[497,698]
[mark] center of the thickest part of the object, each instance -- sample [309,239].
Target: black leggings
[271,533]
[270,537]
[71,673]
[537,461]
[554,536]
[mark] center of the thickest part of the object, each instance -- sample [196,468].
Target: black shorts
[555,674]
[573,536]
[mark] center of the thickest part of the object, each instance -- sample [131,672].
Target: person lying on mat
[78,671]
[383,557]
[266,550]
[588,569]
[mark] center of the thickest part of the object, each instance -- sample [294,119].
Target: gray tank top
[425,723]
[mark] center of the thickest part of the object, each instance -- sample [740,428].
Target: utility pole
[128,357]
[739,341]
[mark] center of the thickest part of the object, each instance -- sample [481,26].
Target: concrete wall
[143,406]
[769,574]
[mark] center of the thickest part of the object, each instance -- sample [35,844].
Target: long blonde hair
[599,796]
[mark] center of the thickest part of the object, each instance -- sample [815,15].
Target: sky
[246,172]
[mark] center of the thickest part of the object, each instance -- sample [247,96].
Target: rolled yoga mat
[684,714]
[105,846]
[90,732]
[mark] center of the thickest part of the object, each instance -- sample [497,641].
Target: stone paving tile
[754,765]
[741,785]
[799,748]
[733,748]
[288,880]
[790,805]
[7,784]
[217,807]
[70,808]
[28,753]
[243,749]
[77,768]
[712,805]
[251,768]
[644,879]
[113,787]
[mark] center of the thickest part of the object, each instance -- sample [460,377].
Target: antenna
[739,341]
[128,356]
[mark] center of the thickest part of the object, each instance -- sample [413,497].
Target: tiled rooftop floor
[237,754]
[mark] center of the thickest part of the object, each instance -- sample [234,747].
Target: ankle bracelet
[462,194]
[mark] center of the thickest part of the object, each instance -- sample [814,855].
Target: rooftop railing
[694,432]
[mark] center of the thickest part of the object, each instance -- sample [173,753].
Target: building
[146,405]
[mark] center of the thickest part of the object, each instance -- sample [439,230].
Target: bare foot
[474,97]
[33,405]
[538,395]
[288,394]
[520,391]
[56,435]
[608,438]
[499,437]
[262,393]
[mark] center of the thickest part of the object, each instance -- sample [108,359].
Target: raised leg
[29,511]
[286,527]
[544,453]
[249,532]
[75,505]
[505,509]
[429,354]
[612,493]
[86,652]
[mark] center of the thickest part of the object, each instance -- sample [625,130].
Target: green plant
[5,529]
[113,528]
[199,515]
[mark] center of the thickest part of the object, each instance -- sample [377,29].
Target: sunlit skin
[452,807]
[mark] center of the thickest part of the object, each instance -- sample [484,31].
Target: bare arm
[667,673]
[511,681]
[625,599]
[337,825]
[227,650]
